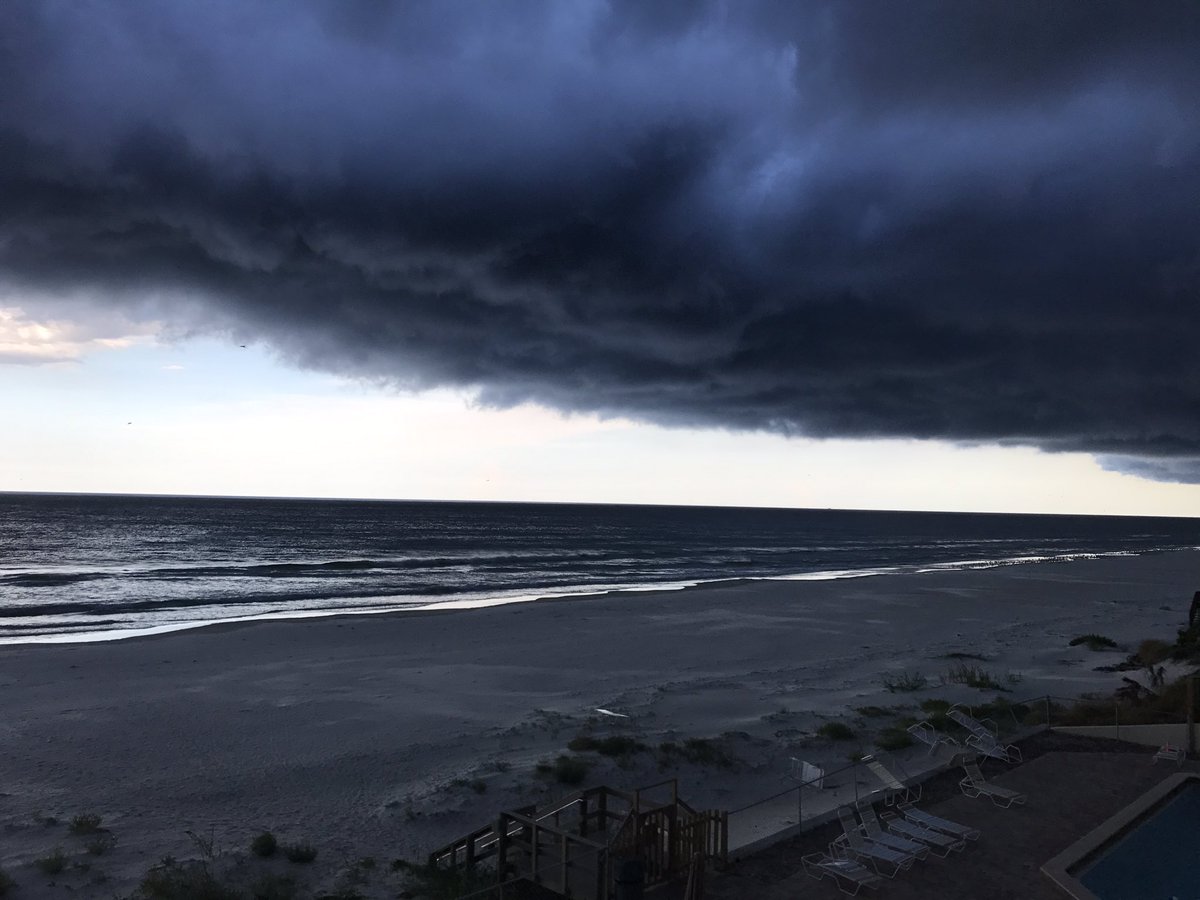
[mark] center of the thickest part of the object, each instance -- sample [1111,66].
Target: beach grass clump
[299,852]
[6,883]
[170,880]
[436,883]
[697,751]
[570,770]
[100,844]
[264,845]
[1094,642]
[905,682]
[52,863]
[616,745]
[478,785]
[836,731]
[85,823]
[894,737]
[972,676]
[877,712]
[274,887]
[935,709]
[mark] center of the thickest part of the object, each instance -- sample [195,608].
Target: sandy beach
[385,736]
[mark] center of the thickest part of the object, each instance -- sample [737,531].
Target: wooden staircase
[573,847]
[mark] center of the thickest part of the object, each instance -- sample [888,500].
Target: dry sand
[385,736]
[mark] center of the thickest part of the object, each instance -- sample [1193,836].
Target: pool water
[1158,860]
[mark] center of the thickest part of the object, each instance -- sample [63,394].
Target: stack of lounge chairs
[870,848]
[983,736]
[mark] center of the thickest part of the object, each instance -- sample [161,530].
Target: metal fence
[855,782]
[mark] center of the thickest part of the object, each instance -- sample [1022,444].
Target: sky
[869,255]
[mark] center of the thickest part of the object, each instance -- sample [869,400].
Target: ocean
[93,567]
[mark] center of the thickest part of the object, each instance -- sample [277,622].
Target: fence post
[1117,717]
[1191,714]
[1048,722]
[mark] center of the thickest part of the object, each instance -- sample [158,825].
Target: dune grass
[905,682]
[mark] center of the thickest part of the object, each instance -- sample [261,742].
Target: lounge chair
[982,738]
[849,875]
[885,860]
[937,823]
[975,785]
[938,842]
[898,792]
[1171,753]
[876,832]
[806,773]
[926,734]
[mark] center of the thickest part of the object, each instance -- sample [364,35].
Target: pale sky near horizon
[134,413]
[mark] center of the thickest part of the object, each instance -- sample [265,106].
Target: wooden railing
[570,847]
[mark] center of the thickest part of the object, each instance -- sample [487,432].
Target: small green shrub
[302,852]
[274,887]
[893,738]
[100,844]
[836,731]
[972,676]
[6,883]
[877,712]
[697,751]
[1094,642]
[428,881]
[570,770]
[52,863]
[84,823]
[264,844]
[171,881]
[614,745]
[905,682]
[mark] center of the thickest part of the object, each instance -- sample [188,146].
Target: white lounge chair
[926,734]
[876,832]
[975,785]
[849,875]
[898,792]
[939,842]
[937,823]
[982,738]
[886,861]
[806,773]
[1170,753]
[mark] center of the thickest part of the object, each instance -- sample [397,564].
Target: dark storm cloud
[969,221]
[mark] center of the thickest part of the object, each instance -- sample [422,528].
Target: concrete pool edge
[1058,868]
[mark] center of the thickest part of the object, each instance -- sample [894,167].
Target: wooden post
[566,866]
[1048,723]
[501,849]
[533,842]
[1191,715]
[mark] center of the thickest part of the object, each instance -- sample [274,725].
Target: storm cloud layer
[960,220]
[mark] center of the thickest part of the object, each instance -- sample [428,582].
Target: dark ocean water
[91,566]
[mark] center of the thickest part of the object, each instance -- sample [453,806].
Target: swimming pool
[1158,859]
[1150,850]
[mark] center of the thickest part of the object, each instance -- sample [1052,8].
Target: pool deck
[1073,786]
